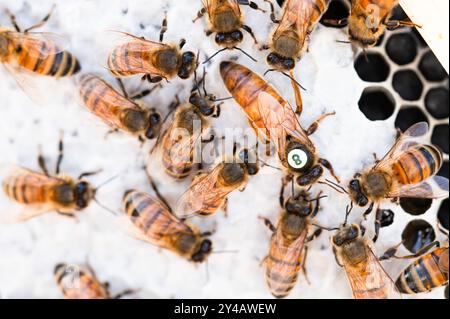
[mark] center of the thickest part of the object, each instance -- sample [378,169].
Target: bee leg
[225,207]
[251,4]
[68,215]
[13,19]
[208,32]
[42,22]
[60,156]
[87,174]
[272,12]
[209,140]
[111,132]
[395,24]
[155,79]
[264,47]
[268,223]
[315,235]
[284,181]
[42,163]
[263,261]
[145,92]
[218,111]
[379,216]
[163,28]
[390,253]
[122,87]
[317,207]
[314,126]
[305,273]
[298,96]
[200,14]
[125,293]
[368,210]
[325,163]
[250,31]
[158,194]
[336,257]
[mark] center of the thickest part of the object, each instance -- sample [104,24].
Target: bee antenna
[317,198]
[337,185]
[223,99]
[331,186]
[342,41]
[294,80]
[225,252]
[105,207]
[109,180]
[347,212]
[271,166]
[248,55]
[212,56]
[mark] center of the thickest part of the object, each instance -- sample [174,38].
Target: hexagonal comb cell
[402,48]
[436,102]
[372,67]
[417,234]
[408,116]
[377,104]
[431,68]
[337,10]
[415,206]
[408,85]
[440,137]
[443,214]
[444,170]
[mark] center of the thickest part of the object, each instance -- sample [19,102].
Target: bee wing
[203,192]
[433,187]
[182,149]
[405,141]
[39,44]
[211,6]
[369,280]
[296,14]
[281,121]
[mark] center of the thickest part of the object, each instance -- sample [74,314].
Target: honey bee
[226,20]
[209,191]
[158,226]
[80,282]
[290,38]
[366,275]
[154,60]
[407,170]
[35,53]
[288,250]
[273,119]
[178,150]
[42,192]
[118,111]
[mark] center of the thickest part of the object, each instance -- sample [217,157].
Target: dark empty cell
[417,234]
[280,2]
[387,218]
[376,104]
[399,14]
[415,206]
[446,292]
[444,170]
[436,102]
[409,115]
[443,214]
[431,68]
[402,48]
[337,10]
[372,67]
[440,137]
[408,85]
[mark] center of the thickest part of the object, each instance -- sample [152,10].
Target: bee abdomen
[126,60]
[418,164]
[422,276]
[22,190]
[281,284]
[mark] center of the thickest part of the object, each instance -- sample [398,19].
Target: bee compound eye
[297,158]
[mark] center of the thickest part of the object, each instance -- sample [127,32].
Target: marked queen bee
[155,61]
[156,224]
[80,282]
[290,38]
[288,247]
[24,52]
[273,120]
[118,111]
[407,170]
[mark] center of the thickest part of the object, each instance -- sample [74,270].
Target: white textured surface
[29,251]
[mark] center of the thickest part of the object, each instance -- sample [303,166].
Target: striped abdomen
[176,168]
[130,59]
[44,57]
[417,164]
[245,86]
[104,101]
[283,263]
[428,272]
[81,286]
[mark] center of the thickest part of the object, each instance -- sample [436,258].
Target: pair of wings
[203,194]
[212,5]
[111,100]
[281,122]
[38,45]
[433,187]
[298,14]
[136,47]
[369,280]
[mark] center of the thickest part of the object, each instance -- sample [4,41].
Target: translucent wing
[38,44]
[281,122]
[433,187]
[405,141]
[212,5]
[181,149]
[205,195]
[370,281]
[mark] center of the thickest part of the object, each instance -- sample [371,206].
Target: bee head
[203,251]
[154,125]
[84,193]
[361,35]
[203,105]
[229,39]
[347,234]
[356,192]
[188,65]
[279,62]
[299,158]
[298,206]
[250,161]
